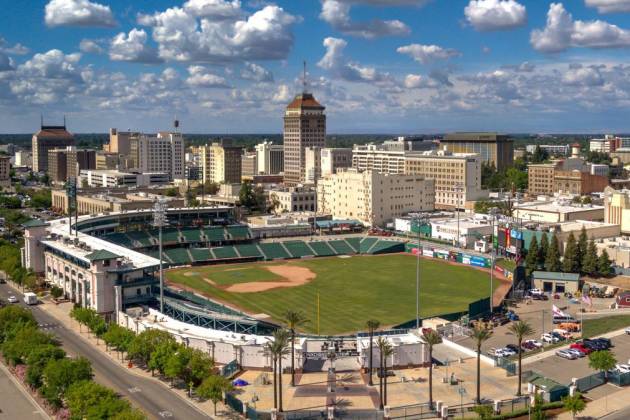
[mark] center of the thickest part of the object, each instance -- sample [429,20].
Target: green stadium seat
[143,238]
[214,234]
[224,252]
[248,251]
[170,235]
[341,247]
[322,249]
[298,249]
[273,251]
[387,247]
[178,256]
[366,244]
[355,243]
[238,232]
[200,254]
[191,234]
[120,239]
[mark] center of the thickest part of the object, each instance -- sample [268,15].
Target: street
[15,402]
[152,397]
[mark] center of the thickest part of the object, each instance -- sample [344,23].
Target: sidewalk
[62,313]
[603,406]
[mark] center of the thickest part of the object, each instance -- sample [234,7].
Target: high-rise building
[457,176]
[163,152]
[66,163]
[249,165]
[304,126]
[377,158]
[120,141]
[221,162]
[374,198]
[23,158]
[58,165]
[313,164]
[5,171]
[493,148]
[335,158]
[269,158]
[47,138]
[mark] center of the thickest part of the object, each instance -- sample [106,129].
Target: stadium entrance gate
[338,352]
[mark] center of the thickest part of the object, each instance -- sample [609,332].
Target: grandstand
[238,233]
[273,251]
[322,249]
[200,254]
[191,234]
[298,249]
[341,247]
[141,238]
[224,253]
[214,234]
[249,251]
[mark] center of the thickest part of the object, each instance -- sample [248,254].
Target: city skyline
[232,66]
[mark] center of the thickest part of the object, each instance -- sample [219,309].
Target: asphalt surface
[152,397]
[15,404]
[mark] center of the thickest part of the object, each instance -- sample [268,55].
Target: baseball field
[351,290]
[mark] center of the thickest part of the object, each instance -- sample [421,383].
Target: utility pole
[160,220]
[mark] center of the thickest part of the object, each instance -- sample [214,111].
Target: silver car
[566,354]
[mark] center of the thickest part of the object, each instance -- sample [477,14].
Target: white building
[600,169]
[269,158]
[312,164]
[23,158]
[114,179]
[163,152]
[463,233]
[335,158]
[372,197]
[552,149]
[374,157]
[294,199]
[557,211]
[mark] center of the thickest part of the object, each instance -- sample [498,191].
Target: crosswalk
[49,326]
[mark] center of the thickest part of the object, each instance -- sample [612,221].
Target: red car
[581,348]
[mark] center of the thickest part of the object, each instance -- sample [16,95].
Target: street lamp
[160,220]
[493,214]
[421,220]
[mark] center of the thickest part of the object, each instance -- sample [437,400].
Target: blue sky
[379,66]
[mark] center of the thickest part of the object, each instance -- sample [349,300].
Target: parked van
[30,298]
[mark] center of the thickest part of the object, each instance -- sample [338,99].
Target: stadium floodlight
[421,220]
[160,220]
[493,216]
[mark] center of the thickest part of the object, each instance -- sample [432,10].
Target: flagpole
[318,313]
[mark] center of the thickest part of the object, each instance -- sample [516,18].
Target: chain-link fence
[415,411]
[591,381]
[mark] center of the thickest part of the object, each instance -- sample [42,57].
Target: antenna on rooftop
[176,123]
[64,121]
[304,78]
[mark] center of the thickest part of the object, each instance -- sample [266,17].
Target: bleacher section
[179,256]
[386,247]
[214,234]
[141,237]
[341,247]
[224,252]
[322,249]
[355,243]
[298,249]
[200,254]
[191,234]
[170,235]
[249,251]
[272,251]
[366,244]
[120,239]
[238,233]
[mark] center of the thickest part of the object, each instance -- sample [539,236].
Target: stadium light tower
[421,220]
[160,220]
[493,217]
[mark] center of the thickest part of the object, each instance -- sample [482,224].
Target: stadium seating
[170,235]
[386,247]
[120,239]
[178,256]
[191,234]
[214,234]
[298,249]
[224,252]
[200,254]
[273,251]
[238,232]
[248,251]
[366,244]
[355,243]
[141,237]
[341,247]
[322,249]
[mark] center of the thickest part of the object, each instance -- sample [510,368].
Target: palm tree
[280,344]
[371,325]
[431,338]
[479,335]
[520,329]
[385,350]
[293,319]
[270,351]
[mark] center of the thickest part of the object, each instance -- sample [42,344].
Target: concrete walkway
[604,406]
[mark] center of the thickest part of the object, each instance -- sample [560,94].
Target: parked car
[504,352]
[548,338]
[534,344]
[596,344]
[512,347]
[577,352]
[605,341]
[622,367]
[580,347]
[12,299]
[559,336]
[566,354]
[540,297]
[627,330]
[535,292]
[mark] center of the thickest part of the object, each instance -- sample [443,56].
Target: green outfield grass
[351,290]
[233,274]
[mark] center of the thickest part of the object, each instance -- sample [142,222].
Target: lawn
[228,275]
[597,326]
[353,290]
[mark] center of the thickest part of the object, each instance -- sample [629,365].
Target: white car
[577,352]
[627,330]
[534,343]
[535,292]
[504,352]
[566,354]
[548,338]
[622,367]
[12,299]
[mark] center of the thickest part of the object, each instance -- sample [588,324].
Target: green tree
[213,387]
[570,263]
[198,368]
[293,320]
[590,262]
[129,414]
[431,338]
[582,248]
[162,353]
[385,350]
[479,335]
[520,329]
[531,260]
[176,364]
[574,403]
[552,259]
[277,348]
[485,412]
[143,344]
[21,340]
[371,325]
[89,400]
[246,195]
[604,265]
[542,249]
[171,192]
[118,337]
[540,155]
[12,315]
[602,360]
[37,360]
[56,292]
[60,374]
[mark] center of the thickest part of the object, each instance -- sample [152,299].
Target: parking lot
[563,370]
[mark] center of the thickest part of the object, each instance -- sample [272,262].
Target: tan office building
[540,178]
[108,201]
[579,183]
[457,176]
[47,138]
[221,163]
[304,126]
[373,198]
[492,147]
[5,171]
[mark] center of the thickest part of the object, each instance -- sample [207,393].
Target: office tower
[47,138]
[269,158]
[493,148]
[333,159]
[5,171]
[163,152]
[221,162]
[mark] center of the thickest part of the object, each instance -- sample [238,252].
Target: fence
[618,378]
[229,369]
[506,364]
[514,404]
[416,411]
[234,403]
[590,381]
[464,411]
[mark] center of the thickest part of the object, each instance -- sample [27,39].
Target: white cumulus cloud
[562,32]
[132,47]
[202,77]
[90,46]
[338,64]
[78,13]
[428,53]
[337,14]
[609,6]
[257,73]
[495,15]
[215,9]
